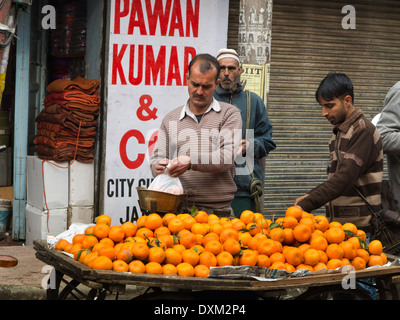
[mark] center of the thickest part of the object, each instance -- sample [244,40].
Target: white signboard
[150,46]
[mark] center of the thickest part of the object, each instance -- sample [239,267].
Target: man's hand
[299,199]
[178,166]
[243,147]
[161,165]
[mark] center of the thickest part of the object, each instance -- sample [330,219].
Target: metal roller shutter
[308,42]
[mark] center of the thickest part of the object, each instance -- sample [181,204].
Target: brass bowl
[159,202]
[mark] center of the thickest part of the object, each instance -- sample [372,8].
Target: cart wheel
[333,293]
[72,292]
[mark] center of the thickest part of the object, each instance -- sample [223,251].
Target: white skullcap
[227,53]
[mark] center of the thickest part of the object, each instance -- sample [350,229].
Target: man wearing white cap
[259,132]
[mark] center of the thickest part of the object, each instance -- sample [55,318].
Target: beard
[227,84]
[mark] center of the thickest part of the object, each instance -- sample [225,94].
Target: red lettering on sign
[158,13]
[192,18]
[154,67]
[167,13]
[131,164]
[119,14]
[136,18]
[144,112]
[117,65]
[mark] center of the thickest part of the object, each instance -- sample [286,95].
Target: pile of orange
[186,245]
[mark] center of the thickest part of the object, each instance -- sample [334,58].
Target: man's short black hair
[335,85]
[207,62]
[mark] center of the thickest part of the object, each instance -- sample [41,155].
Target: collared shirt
[186,110]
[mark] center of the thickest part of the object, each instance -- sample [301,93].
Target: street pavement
[24,281]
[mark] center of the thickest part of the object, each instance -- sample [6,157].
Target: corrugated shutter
[308,42]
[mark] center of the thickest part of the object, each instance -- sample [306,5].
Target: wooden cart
[100,283]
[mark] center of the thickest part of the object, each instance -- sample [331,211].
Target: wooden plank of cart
[102,282]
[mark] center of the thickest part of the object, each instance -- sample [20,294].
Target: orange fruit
[172,257]
[75,247]
[311,257]
[375,260]
[268,247]
[263,261]
[232,246]
[140,221]
[355,241]
[320,266]
[375,247]
[97,247]
[238,225]
[295,212]
[169,269]
[137,266]
[334,251]
[361,234]
[290,222]
[278,265]
[310,222]
[350,229]
[224,258]
[78,238]
[248,258]
[89,230]
[116,234]
[153,221]
[81,254]
[208,259]
[167,218]
[384,257]
[201,216]
[100,231]
[319,243]
[228,233]
[129,229]
[103,219]
[189,222]
[89,241]
[68,247]
[302,232]
[156,254]
[333,264]
[124,254]
[335,235]
[243,238]
[185,269]
[321,223]
[107,242]
[247,216]
[90,257]
[188,240]
[144,233]
[140,251]
[277,234]
[201,271]
[303,266]
[179,247]
[167,239]
[213,246]
[102,263]
[213,218]
[323,257]
[208,237]
[216,228]
[108,252]
[200,228]
[362,253]
[190,256]
[120,265]
[303,247]
[153,267]
[293,256]
[176,225]
[348,250]
[335,224]
[277,256]
[358,263]
[61,244]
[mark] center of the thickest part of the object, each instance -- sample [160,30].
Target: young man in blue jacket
[256,144]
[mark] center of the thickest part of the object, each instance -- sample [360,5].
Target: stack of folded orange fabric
[67,125]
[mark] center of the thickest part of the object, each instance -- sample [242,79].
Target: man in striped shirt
[356,158]
[199,140]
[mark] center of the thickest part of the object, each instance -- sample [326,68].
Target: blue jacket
[259,121]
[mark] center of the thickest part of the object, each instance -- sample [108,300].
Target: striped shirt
[211,144]
[358,145]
